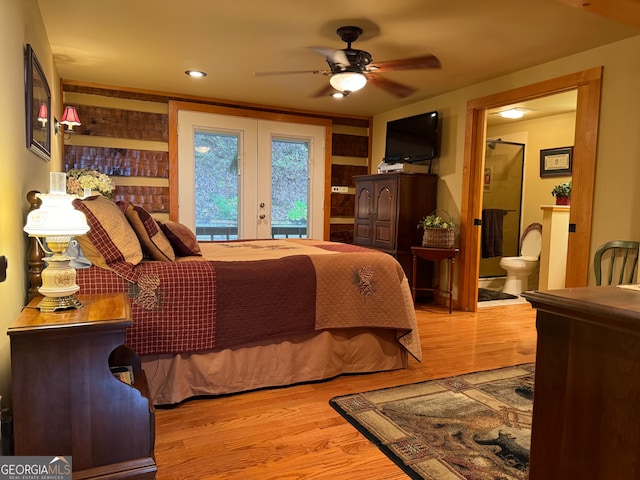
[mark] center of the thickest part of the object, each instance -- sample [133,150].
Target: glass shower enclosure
[502,198]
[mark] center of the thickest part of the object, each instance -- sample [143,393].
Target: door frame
[176,105]
[588,85]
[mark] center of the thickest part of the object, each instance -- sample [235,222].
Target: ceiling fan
[351,69]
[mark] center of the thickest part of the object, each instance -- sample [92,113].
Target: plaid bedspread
[244,291]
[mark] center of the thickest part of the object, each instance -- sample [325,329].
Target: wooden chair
[621,258]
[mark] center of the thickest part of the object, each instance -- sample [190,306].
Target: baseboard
[492,283]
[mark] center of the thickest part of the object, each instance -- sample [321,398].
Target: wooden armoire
[388,207]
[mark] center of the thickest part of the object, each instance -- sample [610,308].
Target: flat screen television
[412,139]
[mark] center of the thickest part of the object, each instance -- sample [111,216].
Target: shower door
[504,165]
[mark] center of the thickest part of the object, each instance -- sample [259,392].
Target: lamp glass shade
[70,117]
[348,81]
[56,217]
[57,221]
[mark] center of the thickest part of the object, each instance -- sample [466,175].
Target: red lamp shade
[43,113]
[70,117]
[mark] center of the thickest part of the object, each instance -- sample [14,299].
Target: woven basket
[438,237]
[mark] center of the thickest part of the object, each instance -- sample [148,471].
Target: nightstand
[67,402]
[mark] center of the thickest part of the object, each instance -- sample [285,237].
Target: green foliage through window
[216,181]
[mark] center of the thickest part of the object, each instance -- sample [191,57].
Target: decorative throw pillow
[182,239]
[110,240]
[154,243]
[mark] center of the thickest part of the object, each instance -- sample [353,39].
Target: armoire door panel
[383,236]
[363,214]
[363,203]
[385,192]
[385,203]
[362,233]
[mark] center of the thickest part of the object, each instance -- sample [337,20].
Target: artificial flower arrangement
[436,221]
[80,178]
[438,230]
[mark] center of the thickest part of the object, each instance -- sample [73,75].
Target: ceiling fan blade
[425,61]
[398,89]
[324,91]
[337,57]
[288,72]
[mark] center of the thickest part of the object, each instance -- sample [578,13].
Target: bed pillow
[154,243]
[110,240]
[182,239]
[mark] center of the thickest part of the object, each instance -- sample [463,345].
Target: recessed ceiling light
[513,113]
[196,73]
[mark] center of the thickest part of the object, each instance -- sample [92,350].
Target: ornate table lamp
[57,221]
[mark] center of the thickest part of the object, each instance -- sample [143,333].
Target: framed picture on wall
[556,161]
[38,106]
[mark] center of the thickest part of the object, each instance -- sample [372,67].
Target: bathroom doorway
[588,85]
[501,208]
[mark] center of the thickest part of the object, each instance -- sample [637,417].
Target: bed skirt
[298,358]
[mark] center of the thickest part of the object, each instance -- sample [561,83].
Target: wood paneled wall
[350,153]
[124,133]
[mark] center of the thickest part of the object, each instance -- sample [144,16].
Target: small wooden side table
[434,255]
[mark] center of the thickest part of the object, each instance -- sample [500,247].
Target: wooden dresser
[586,407]
[67,402]
[388,208]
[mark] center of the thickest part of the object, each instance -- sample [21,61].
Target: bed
[213,318]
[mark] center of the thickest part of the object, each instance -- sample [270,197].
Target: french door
[242,177]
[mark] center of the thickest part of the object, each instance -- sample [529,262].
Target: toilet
[519,269]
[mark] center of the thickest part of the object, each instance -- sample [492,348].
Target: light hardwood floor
[293,433]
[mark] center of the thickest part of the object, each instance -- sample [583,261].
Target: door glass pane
[289,188]
[216,185]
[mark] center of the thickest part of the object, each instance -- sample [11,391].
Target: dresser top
[607,306]
[103,309]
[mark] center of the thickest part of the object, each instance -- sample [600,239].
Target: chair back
[618,261]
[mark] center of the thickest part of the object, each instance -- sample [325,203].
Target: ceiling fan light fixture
[348,81]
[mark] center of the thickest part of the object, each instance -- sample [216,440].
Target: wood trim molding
[588,84]
[166,97]
[175,106]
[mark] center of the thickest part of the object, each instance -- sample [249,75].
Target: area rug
[486,295]
[474,426]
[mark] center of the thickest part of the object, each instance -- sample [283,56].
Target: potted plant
[438,230]
[562,192]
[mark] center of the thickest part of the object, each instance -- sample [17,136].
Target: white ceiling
[149,44]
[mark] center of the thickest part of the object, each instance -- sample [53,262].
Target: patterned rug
[475,426]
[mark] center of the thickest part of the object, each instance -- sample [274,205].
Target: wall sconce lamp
[57,221]
[69,118]
[43,114]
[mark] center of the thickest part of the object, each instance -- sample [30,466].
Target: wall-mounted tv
[412,139]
